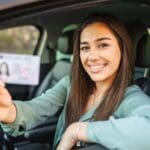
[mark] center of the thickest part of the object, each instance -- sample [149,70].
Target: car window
[19,40]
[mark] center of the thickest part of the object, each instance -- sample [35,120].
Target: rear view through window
[19,40]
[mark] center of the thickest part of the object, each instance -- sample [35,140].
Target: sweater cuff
[17,127]
[90,132]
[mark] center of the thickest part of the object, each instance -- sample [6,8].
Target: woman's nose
[93,55]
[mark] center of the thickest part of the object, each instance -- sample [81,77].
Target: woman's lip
[96,68]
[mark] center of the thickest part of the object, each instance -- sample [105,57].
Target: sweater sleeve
[129,131]
[34,112]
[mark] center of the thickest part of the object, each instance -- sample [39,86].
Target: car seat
[143,60]
[62,66]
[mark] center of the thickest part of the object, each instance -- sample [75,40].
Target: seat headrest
[141,44]
[65,40]
[143,52]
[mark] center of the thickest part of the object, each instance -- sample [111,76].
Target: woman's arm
[132,133]
[7,107]
[76,131]
[34,112]
[130,130]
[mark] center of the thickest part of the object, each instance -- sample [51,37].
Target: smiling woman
[98,102]
[97,51]
[102,87]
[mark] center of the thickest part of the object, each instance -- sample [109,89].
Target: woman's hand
[75,132]
[7,108]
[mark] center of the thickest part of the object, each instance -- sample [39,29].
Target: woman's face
[4,69]
[99,52]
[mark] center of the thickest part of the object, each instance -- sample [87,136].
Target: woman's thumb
[2,83]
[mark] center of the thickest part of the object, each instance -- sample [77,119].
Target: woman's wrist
[78,130]
[74,133]
[12,112]
[81,131]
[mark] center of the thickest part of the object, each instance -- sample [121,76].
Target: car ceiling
[54,15]
[126,10]
[5,4]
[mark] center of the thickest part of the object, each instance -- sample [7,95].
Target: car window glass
[19,40]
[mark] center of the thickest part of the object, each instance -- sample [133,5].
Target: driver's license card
[19,69]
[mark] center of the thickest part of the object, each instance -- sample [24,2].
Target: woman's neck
[98,95]
[103,86]
[95,98]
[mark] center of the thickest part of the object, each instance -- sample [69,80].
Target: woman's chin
[97,78]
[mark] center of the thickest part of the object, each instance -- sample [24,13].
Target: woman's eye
[84,48]
[103,45]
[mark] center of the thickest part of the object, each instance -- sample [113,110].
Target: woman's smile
[96,68]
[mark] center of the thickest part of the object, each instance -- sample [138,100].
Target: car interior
[54,46]
[65,46]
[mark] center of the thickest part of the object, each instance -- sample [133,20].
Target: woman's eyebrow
[99,39]
[103,38]
[83,43]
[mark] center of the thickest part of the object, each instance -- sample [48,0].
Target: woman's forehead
[95,30]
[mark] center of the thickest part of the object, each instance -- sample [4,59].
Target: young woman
[99,102]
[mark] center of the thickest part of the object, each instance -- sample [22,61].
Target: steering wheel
[5,142]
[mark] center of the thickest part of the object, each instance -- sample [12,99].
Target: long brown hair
[81,84]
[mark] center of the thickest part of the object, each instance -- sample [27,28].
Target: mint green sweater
[127,129]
